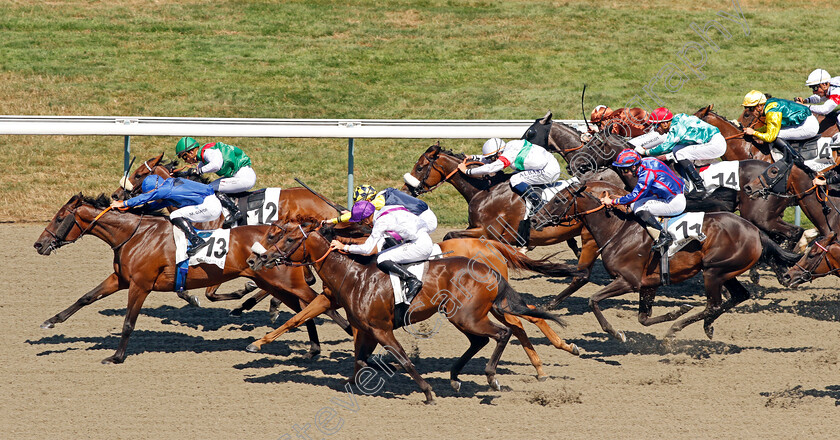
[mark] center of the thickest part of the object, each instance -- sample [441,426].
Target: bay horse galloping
[465,290]
[498,256]
[732,246]
[144,260]
[739,146]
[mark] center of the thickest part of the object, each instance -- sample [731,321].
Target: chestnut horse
[492,253]
[732,246]
[495,210]
[144,260]
[294,201]
[464,289]
[821,259]
[739,146]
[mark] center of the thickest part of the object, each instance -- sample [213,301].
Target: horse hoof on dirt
[668,343]
[252,348]
[236,312]
[754,276]
[430,402]
[456,385]
[575,350]
[112,360]
[274,317]
[542,378]
[47,325]
[621,336]
[194,301]
[494,383]
[312,355]
[710,331]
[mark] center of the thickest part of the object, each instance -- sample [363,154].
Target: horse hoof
[235,312]
[668,343]
[430,402]
[274,317]
[194,301]
[542,378]
[111,361]
[312,355]
[575,350]
[495,384]
[754,277]
[621,337]
[456,385]
[685,308]
[47,325]
[710,331]
[252,348]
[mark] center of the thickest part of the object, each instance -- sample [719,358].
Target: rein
[807,275]
[433,165]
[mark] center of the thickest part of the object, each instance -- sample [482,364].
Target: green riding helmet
[185,144]
[363,192]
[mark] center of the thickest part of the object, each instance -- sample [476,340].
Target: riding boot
[527,192]
[665,238]
[523,233]
[793,156]
[233,210]
[412,284]
[694,175]
[196,242]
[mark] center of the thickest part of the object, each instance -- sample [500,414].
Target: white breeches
[208,210]
[805,130]
[242,180]
[660,207]
[410,252]
[715,148]
[548,174]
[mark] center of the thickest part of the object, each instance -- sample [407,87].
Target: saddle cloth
[684,228]
[548,192]
[214,253]
[721,175]
[417,269]
[259,207]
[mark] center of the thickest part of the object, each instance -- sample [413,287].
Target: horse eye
[290,240]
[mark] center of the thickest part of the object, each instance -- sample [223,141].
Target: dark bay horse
[821,259]
[464,289]
[144,261]
[495,210]
[498,256]
[739,146]
[732,246]
[291,203]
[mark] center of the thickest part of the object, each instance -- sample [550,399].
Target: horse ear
[157,159]
[546,119]
[703,111]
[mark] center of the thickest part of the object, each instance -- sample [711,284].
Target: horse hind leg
[106,287]
[646,296]
[515,325]
[482,328]
[476,344]
[737,295]
[386,338]
[711,279]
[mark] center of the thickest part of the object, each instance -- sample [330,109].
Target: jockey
[398,223]
[196,202]
[533,164]
[227,161]
[627,122]
[688,139]
[784,120]
[826,95]
[658,192]
[392,197]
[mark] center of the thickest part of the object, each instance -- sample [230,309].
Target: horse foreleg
[618,287]
[737,295]
[136,296]
[250,303]
[211,294]
[105,288]
[319,305]
[646,296]
[333,313]
[363,345]
[385,338]
[515,325]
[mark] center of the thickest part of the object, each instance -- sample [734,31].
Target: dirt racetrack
[771,372]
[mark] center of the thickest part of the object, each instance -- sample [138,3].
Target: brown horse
[739,146]
[465,290]
[828,123]
[822,258]
[497,256]
[495,210]
[295,201]
[144,260]
[731,247]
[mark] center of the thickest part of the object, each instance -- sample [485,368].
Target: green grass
[358,59]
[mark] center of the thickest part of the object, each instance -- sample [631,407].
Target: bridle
[284,257]
[808,275]
[69,222]
[433,165]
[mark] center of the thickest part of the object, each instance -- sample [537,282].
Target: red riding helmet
[627,158]
[661,114]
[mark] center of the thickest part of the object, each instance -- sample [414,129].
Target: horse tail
[510,301]
[518,260]
[777,258]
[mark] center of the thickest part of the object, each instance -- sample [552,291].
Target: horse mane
[171,165]
[452,153]
[101,201]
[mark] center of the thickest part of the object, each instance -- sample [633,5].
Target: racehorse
[464,289]
[144,260]
[495,210]
[732,246]
[822,258]
[828,123]
[292,202]
[739,146]
[796,185]
[494,254]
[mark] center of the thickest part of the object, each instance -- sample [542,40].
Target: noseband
[808,275]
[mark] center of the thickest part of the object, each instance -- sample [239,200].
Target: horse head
[65,226]
[130,183]
[538,132]
[283,244]
[434,167]
[823,258]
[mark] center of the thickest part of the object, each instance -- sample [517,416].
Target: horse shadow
[205,319]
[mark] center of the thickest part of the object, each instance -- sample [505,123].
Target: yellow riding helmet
[364,192]
[754,98]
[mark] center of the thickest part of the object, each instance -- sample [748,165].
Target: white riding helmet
[492,146]
[816,77]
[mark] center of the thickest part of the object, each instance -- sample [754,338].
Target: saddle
[807,148]
[258,207]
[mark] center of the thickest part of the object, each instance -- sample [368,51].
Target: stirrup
[195,248]
[233,219]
